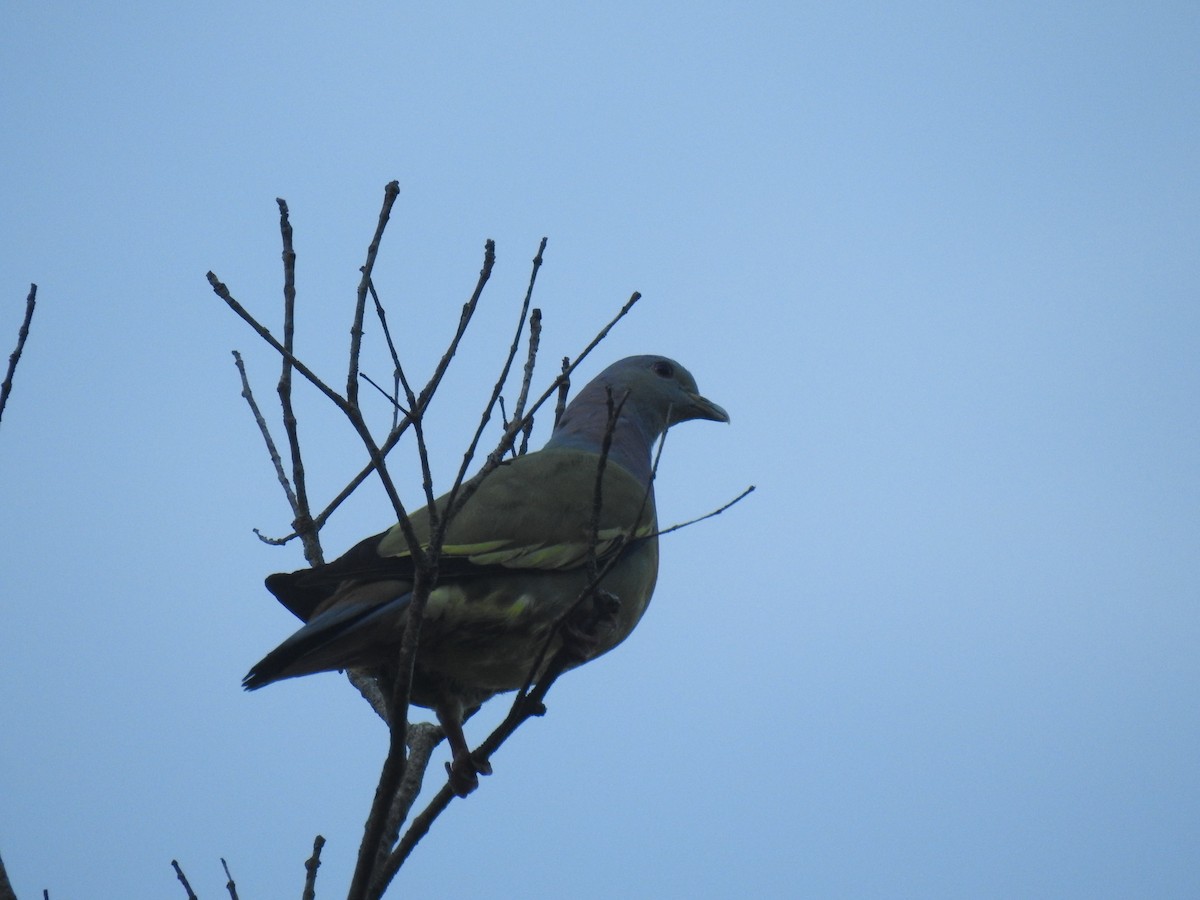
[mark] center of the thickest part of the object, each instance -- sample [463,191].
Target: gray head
[654,393]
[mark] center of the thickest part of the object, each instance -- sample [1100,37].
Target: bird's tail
[358,624]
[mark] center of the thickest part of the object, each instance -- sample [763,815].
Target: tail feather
[351,632]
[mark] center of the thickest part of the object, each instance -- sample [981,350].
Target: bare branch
[569,367]
[302,522]
[398,377]
[564,388]
[390,193]
[423,737]
[716,512]
[6,888]
[468,310]
[535,334]
[535,337]
[394,764]
[368,685]
[422,401]
[416,830]
[509,431]
[310,869]
[229,885]
[223,292]
[517,425]
[610,427]
[183,880]
[15,356]
[276,460]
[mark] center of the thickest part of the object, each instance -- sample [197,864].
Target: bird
[515,561]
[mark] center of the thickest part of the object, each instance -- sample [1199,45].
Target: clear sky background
[940,262]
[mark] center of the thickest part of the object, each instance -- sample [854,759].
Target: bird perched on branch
[520,559]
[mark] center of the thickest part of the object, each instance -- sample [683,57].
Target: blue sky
[937,260]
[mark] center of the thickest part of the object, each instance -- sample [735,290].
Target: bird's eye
[663,369]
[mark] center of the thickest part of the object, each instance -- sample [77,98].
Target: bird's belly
[479,639]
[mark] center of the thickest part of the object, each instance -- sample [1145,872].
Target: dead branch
[302,523]
[191,895]
[708,515]
[390,193]
[229,885]
[15,356]
[6,888]
[310,870]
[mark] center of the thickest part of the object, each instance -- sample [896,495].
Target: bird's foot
[464,772]
[582,631]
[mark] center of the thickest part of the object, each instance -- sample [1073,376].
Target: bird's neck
[630,448]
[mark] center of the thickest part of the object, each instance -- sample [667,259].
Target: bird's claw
[463,773]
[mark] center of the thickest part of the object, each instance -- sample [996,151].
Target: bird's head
[654,393]
[659,391]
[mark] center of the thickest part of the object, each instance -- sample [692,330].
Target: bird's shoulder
[538,511]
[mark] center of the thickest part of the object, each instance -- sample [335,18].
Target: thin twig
[716,512]
[183,880]
[15,356]
[276,460]
[223,292]
[569,367]
[422,401]
[391,398]
[229,885]
[535,339]
[535,334]
[349,410]
[301,512]
[310,870]
[613,413]
[485,417]
[398,377]
[468,310]
[390,193]
[518,425]
[564,388]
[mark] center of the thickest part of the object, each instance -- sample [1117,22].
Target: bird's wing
[538,511]
[533,512]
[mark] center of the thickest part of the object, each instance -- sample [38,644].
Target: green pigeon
[515,560]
